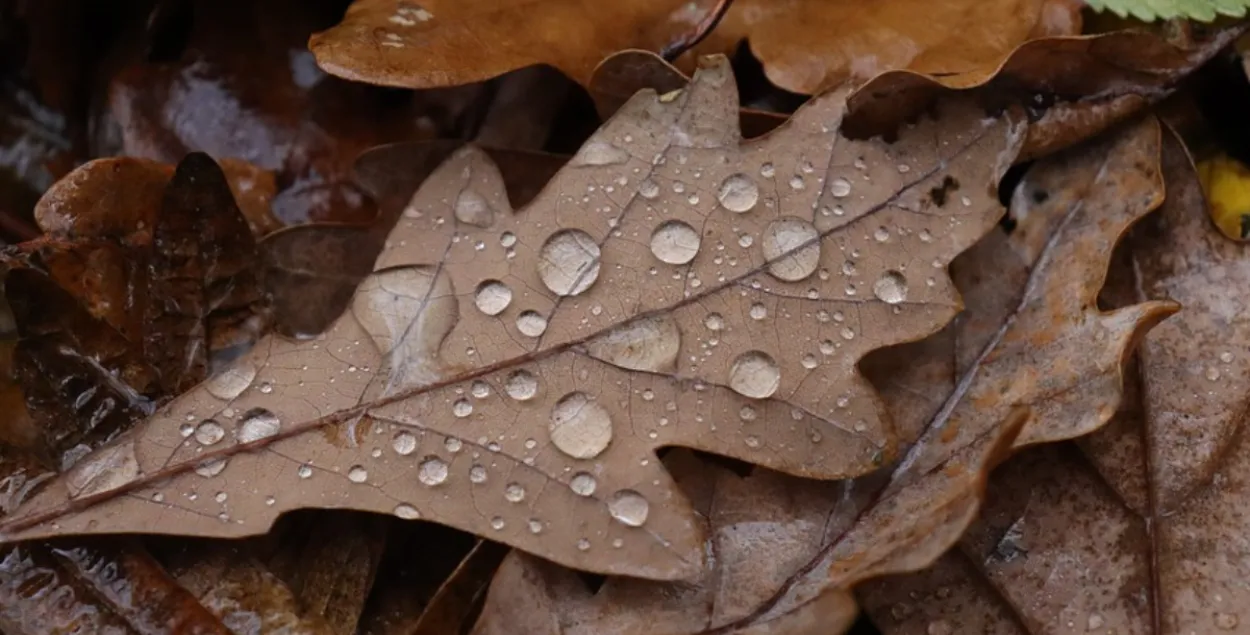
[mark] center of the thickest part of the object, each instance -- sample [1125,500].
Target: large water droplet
[649,344]
[432,471]
[357,474]
[477,474]
[531,323]
[580,427]
[492,297]
[105,469]
[521,385]
[569,262]
[738,193]
[649,189]
[473,209]
[583,484]
[514,492]
[791,246]
[675,242]
[755,374]
[209,432]
[461,408]
[891,287]
[404,443]
[840,187]
[629,508]
[257,423]
[599,153]
[231,382]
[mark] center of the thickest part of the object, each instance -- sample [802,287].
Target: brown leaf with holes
[512,374]
[1030,301]
[806,45]
[1138,529]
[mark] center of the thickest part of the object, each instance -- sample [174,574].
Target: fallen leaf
[540,391]
[441,43]
[1008,361]
[1202,10]
[1139,530]
[806,45]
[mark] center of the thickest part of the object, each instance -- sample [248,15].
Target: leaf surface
[1140,529]
[512,373]
[1008,361]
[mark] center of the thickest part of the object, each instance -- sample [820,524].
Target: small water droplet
[521,385]
[514,492]
[1213,373]
[629,508]
[809,361]
[755,374]
[432,471]
[648,189]
[767,170]
[209,432]
[531,323]
[1094,622]
[675,242]
[473,209]
[891,287]
[599,153]
[1226,357]
[407,512]
[747,413]
[231,382]
[453,444]
[580,427]
[569,262]
[790,245]
[462,408]
[497,523]
[840,187]
[738,193]
[745,241]
[480,389]
[583,544]
[266,388]
[357,474]
[536,526]
[210,468]
[304,471]
[477,474]
[256,424]
[492,297]
[583,484]
[796,182]
[714,321]
[404,443]
[507,239]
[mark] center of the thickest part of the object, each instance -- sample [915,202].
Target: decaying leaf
[442,43]
[1009,359]
[1140,530]
[806,45]
[1204,10]
[512,374]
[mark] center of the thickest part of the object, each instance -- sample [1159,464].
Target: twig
[690,39]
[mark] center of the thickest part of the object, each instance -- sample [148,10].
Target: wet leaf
[440,43]
[1140,529]
[1007,362]
[810,44]
[531,363]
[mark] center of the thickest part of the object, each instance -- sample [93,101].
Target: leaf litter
[539,391]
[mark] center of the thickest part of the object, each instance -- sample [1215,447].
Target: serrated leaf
[512,374]
[1150,10]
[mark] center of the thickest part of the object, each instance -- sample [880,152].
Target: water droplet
[514,492]
[629,508]
[755,374]
[432,471]
[304,471]
[231,382]
[473,209]
[767,170]
[1213,373]
[209,432]
[256,424]
[492,297]
[1226,357]
[265,388]
[531,323]
[714,321]
[1226,621]
[210,468]
[462,408]
[599,153]
[521,385]
[477,474]
[648,189]
[758,311]
[809,361]
[745,241]
[583,484]
[891,287]
[840,187]
[507,239]
[497,523]
[583,544]
[790,245]
[675,242]
[649,344]
[881,234]
[569,262]
[407,512]
[738,193]
[848,333]
[452,444]
[796,182]
[1094,622]
[536,526]
[357,474]
[404,443]
[580,427]
[105,469]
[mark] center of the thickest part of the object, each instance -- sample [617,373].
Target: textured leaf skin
[1150,10]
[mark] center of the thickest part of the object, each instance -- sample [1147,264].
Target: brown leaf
[540,390]
[1031,305]
[806,45]
[1139,531]
[448,43]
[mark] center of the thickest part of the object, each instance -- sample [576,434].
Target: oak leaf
[513,374]
[1030,301]
[1138,528]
